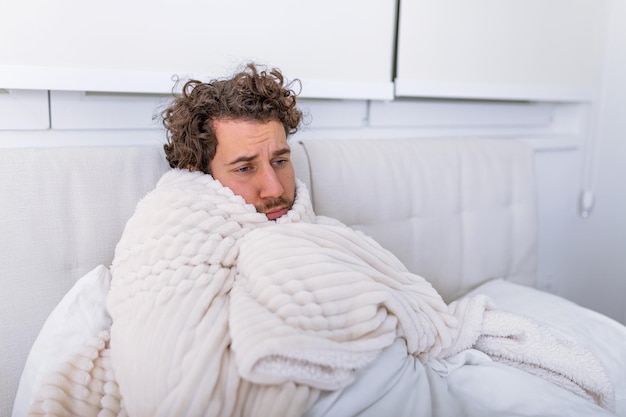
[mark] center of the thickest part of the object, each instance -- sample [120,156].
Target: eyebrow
[248,158]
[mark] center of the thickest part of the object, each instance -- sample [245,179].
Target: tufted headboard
[457,212]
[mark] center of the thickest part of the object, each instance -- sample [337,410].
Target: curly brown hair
[253,94]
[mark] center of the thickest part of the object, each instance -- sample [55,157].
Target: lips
[273,214]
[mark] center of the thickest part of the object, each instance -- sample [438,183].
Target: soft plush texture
[312,303]
[68,210]
[78,318]
[604,337]
[525,344]
[312,299]
[196,265]
[172,273]
[83,385]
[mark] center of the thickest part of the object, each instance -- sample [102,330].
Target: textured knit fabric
[218,311]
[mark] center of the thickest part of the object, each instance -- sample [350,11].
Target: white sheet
[395,385]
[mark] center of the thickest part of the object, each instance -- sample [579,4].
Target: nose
[270,186]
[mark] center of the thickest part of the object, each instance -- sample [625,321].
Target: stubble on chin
[274,204]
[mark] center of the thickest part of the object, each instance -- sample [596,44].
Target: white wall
[594,265]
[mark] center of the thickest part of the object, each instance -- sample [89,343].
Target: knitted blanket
[217,311]
[172,274]
[313,303]
[186,287]
[331,299]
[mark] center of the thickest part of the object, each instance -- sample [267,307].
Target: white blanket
[169,300]
[219,312]
[313,303]
[525,344]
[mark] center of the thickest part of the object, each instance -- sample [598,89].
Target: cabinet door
[339,49]
[24,110]
[500,49]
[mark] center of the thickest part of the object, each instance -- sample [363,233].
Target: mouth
[275,213]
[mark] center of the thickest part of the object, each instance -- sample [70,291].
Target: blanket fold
[525,344]
[84,386]
[314,303]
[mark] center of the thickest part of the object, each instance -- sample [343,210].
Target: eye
[244,169]
[280,162]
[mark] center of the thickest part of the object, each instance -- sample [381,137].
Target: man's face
[253,160]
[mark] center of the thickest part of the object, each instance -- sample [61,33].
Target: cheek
[240,188]
[243,189]
[288,181]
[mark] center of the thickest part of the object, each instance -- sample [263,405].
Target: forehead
[242,134]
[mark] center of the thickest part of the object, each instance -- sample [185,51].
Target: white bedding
[469,384]
[298,247]
[398,385]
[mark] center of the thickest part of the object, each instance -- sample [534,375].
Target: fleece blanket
[313,303]
[172,275]
[217,311]
[179,339]
[324,283]
[523,343]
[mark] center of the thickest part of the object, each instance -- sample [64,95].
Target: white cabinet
[24,110]
[339,49]
[531,50]
[71,110]
[547,50]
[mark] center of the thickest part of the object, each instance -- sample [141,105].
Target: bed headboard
[457,212]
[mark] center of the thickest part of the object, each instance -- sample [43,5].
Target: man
[236,130]
[229,295]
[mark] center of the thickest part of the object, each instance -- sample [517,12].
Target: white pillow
[80,315]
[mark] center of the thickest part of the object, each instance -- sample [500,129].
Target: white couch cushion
[62,211]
